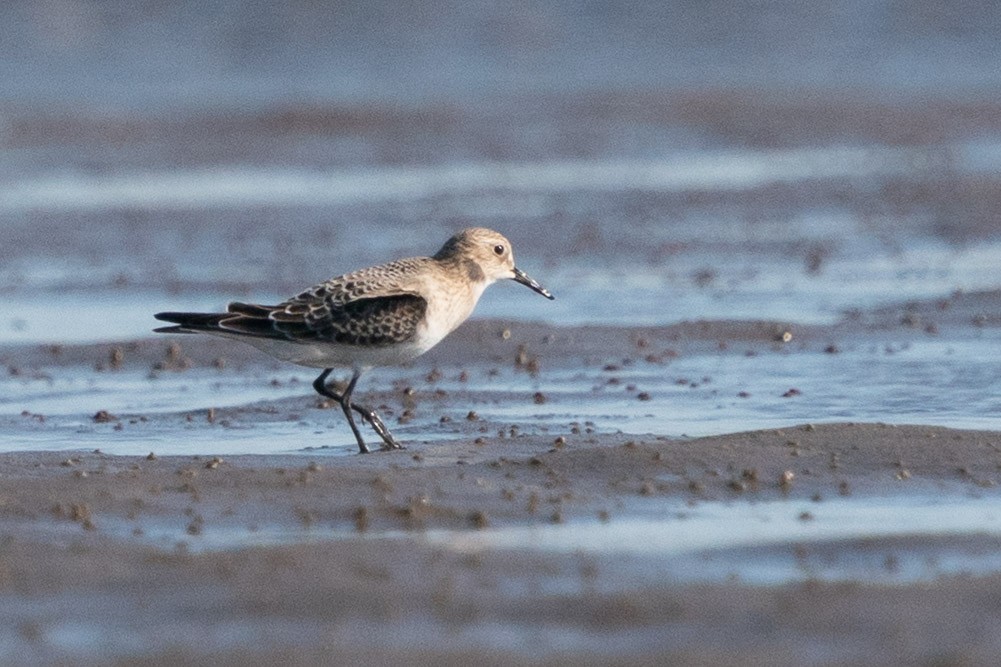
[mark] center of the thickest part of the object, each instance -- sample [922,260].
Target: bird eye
[499,249]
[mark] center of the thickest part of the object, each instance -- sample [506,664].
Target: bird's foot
[372,417]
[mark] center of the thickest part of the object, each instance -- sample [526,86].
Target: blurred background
[651,162]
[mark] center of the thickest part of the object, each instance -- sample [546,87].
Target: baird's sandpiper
[379,316]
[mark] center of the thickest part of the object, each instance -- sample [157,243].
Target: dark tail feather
[189,322]
[173,330]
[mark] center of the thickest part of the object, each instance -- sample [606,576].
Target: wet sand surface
[377,557]
[499,540]
[549,509]
[759,425]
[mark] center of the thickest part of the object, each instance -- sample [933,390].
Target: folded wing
[355,309]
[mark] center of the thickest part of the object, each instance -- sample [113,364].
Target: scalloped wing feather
[377,306]
[372,322]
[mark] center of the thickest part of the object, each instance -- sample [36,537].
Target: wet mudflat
[197,502]
[495,546]
[759,425]
[594,492]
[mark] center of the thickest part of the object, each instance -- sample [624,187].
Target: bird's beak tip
[523,278]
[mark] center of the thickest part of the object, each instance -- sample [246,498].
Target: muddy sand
[444,553]
[355,558]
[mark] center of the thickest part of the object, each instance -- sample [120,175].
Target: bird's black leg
[346,405]
[319,384]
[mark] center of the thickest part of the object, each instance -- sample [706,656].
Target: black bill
[522,277]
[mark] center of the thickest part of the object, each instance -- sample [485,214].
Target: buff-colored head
[487,256]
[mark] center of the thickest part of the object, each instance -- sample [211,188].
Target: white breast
[446,311]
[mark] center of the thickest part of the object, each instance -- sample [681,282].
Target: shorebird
[379,316]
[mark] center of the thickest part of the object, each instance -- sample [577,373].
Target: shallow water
[926,381]
[888,540]
[775,542]
[741,286]
[799,234]
[227,188]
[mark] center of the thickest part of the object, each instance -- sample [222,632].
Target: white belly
[333,355]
